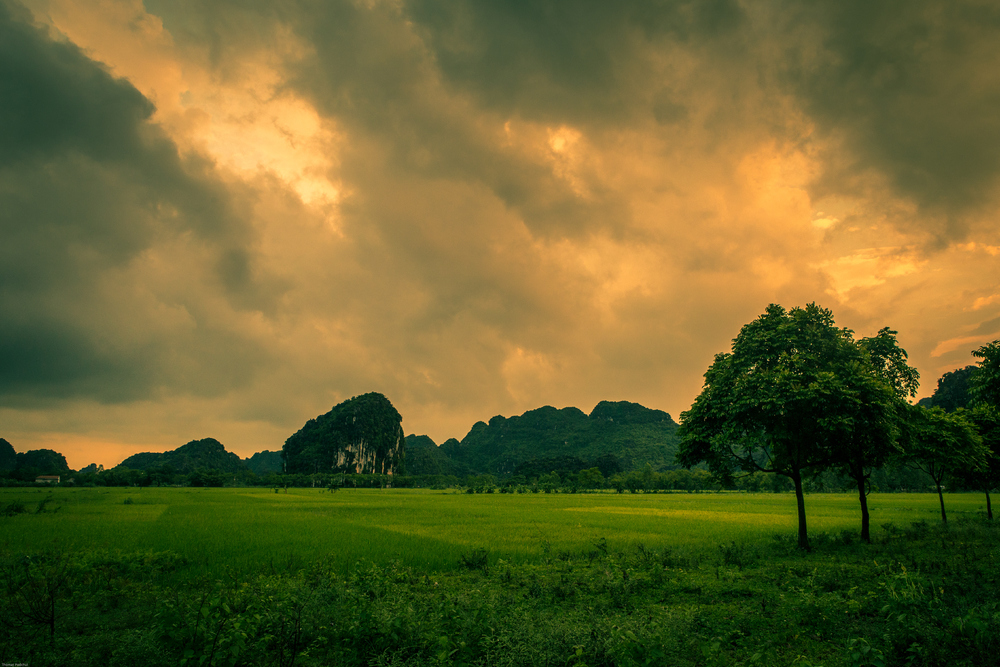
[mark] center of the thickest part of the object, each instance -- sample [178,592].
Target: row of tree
[798,396]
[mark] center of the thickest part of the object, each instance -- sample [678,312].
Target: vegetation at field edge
[921,595]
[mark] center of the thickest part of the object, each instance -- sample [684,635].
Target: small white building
[47,479]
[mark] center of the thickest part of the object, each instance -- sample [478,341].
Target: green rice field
[251,530]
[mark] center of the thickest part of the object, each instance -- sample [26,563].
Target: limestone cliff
[363,435]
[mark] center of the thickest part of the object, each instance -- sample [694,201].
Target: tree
[45,461]
[592,478]
[782,401]
[984,386]
[986,380]
[987,422]
[549,482]
[8,457]
[941,443]
[954,390]
[882,383]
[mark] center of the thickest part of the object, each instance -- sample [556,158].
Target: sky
[220,219]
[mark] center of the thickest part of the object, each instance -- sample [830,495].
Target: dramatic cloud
[223,218]
[95,208]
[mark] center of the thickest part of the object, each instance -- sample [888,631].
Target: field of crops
[250,529]
[241,577]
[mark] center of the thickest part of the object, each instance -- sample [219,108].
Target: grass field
[241,577]
[249,530]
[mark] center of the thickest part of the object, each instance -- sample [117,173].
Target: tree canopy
[984,387]
[207,453]
[987,423]
[954,390]
[635,435]
[941,443]
[986,380]
[884,380]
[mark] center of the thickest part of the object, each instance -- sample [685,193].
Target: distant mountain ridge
[633,434]
[424,457]
[364,435]
[207,454]
[264,463]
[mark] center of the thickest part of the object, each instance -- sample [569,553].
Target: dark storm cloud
[910,88]
[913,88]
[381,81]
[88,186]
[565,61]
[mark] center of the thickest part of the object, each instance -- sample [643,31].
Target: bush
[477,559]
[13,508]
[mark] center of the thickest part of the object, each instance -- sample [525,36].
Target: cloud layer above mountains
[219,219]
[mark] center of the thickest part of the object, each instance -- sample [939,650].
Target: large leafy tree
[943,443]
[788,400]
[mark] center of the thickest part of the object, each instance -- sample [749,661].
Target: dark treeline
[558,480]
[205,463]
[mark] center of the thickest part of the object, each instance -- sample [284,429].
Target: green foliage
[42,462]
[739,555]
[986,379]
[876,418]
[942,443]
[797,395]
[986,476]
[205,454]
[477,559]
[33,586]
[914,599]
[200,478]
[954,390]
[265,462]
[424,457]
[361,435]
[13,508]
[771,403]
[8,457]
[615,434]
[888,362]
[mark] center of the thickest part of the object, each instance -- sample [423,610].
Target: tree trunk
[800,501]
[989,508]
[944,517]
[859,477]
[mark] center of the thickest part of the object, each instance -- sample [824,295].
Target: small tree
[549,482]
[942,443]
[987,423]
[985,391]
[590,479]
[986,379]
[881,385]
